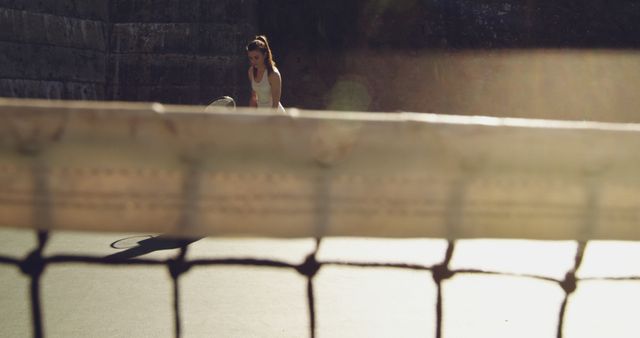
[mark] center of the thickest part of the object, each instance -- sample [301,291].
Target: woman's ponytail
[261,43]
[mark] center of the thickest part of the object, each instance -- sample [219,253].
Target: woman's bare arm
[253,100]
[276,87]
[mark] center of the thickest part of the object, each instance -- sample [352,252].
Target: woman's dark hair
[261,44]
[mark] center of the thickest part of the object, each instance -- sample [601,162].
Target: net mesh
[177,170]
[36,262]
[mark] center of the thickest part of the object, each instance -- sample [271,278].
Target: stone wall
[534,58]
[53,49]
[179,51]
[170,51]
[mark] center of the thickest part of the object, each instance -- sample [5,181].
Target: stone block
[228,11]
[34,27]
[124,93]
[72,64]
[171,94]
[154,11]
[39,28]
[84,91]
[11,25]
[154,69]
[28,61]
[92,34]
[16,59]
[219,71]
[92,9]
[11,88]
[51,89]
[58,30]
[24,88]
[175,94]
[222,39]
[71,32]
[203,39]
[84,9]
[154,38]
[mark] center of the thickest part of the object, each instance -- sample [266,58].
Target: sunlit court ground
[522,300]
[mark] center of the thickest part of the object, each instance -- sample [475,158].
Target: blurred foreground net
[149,168]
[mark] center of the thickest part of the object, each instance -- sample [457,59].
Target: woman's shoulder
[275,73]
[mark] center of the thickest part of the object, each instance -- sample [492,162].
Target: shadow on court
[145,246]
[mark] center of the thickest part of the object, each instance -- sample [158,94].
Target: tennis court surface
[151,220]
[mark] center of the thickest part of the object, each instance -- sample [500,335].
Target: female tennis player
[266,82]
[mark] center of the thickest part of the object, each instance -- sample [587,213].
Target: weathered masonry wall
[537,58]
[53,49]
[179,51]
[170,51]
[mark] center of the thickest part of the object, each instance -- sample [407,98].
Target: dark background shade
[551,59]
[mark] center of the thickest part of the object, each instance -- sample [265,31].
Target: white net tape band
[153,168]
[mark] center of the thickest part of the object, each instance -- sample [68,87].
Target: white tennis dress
[263,92]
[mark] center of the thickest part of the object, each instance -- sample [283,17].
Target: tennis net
[176,170]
